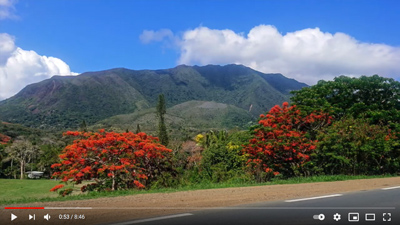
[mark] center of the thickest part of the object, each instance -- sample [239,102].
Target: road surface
[381,206]
[243,205]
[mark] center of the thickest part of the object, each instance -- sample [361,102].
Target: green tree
[83,126]
[22,151]
[50,149]
[162,129]
[353,146]
[374,97]
[137,128]
[222,157]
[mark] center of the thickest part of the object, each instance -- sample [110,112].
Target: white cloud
[7,9]
[7,47]
[306,55]
[19,67]
[148,36]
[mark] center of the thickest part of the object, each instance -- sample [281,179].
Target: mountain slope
[63,102]
[188,118]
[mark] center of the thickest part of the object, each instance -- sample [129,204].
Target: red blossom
[138,184]
[55,188]
[56,165]
[109,155]
[281,139]
[4,139]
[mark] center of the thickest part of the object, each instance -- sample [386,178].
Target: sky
[307,40]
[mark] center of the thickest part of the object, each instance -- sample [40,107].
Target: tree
[83,126]
[222,156]
[376,98]
[353,146]
[281,143]
[162,129]
[4,141]
[113,160]
[50,149]
[211,137]
[137,128]
[22,151]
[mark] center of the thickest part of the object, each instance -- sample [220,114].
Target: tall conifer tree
[162,129]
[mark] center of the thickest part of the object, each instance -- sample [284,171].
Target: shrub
[353,146]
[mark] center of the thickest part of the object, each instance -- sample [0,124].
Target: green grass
[26,191]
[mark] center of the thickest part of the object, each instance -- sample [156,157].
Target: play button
[13,217]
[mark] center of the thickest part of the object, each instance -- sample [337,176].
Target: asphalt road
[381,206]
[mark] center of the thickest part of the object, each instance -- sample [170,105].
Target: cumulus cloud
[19,67]
[7,9]
[306,55]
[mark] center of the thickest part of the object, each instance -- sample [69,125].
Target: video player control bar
[65,208]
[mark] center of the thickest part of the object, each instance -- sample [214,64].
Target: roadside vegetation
[348,128]
[38,190]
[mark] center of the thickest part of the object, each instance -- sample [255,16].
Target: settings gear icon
[337,217]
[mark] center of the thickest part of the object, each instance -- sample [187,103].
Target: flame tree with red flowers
[114,160]
[282,141]
[4,140]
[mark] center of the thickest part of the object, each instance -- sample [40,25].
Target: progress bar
[23,207]
[202,208]
[48,207]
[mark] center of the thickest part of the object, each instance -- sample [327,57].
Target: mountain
[64,101]
[188,118]
[15,130]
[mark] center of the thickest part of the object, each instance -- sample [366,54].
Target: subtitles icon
[354,217]
[319,217]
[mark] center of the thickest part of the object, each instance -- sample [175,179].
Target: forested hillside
[64,102]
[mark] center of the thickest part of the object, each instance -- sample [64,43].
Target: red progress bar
[23,207]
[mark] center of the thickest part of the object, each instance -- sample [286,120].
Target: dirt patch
[119,209]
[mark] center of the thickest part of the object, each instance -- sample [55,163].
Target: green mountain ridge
[188,118]
[64,101]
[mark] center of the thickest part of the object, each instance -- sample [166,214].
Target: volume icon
[46,217]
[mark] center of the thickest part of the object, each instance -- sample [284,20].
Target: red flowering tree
[4,139]
[113,160]
[282,143]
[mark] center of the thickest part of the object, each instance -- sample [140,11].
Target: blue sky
[96,35]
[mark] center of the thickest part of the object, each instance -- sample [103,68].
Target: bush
[222,157]
[353,146]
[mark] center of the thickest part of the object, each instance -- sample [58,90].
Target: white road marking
[390,188]
[312,198]
[155,219]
